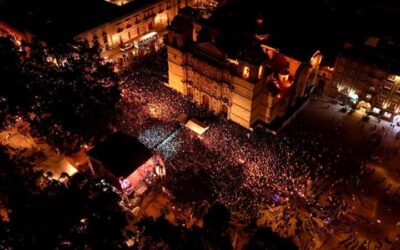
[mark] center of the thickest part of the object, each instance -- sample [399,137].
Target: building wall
[221,91]
[155,17]
[7,30]
[231,86]
[366,86]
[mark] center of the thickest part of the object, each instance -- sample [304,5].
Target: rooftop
[291,30]
[121,154]
[380,52]
[56,21]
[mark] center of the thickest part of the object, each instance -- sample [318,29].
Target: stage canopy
[121,154]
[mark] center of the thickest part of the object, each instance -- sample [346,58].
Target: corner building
[235,70]
[367,74]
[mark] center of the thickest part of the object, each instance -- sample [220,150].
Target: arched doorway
[190,92]
[224,110]
[206,101]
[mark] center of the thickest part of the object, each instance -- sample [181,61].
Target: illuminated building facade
[140,22]
[143,26]
[237,73]
[368,75]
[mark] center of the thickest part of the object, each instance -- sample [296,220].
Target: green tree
[216,222]
[67,92]
[43,213]
[159,233]
[266,239]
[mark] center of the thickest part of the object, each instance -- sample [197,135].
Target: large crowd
[304,178]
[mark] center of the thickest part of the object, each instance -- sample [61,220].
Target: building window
[392,78]
[105,40]
[368,96]
[119,30]
[385,93]
[388,85]
[260,72]
[392,105]
[246,72]
[398,90]
[190,93]
[380,101]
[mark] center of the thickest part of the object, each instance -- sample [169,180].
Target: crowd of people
[304,176]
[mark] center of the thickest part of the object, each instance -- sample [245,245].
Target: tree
[215,223]
[159,233]
[266,239]
[43,213]
[12,94]
[67,92]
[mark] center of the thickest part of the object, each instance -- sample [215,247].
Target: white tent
[196,126]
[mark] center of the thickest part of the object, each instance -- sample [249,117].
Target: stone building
[107,23]
[142,25]
[230,64]
[368,76]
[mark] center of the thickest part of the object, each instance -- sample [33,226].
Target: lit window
[260,72]
[388,85]
[246,72]
[369,96]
